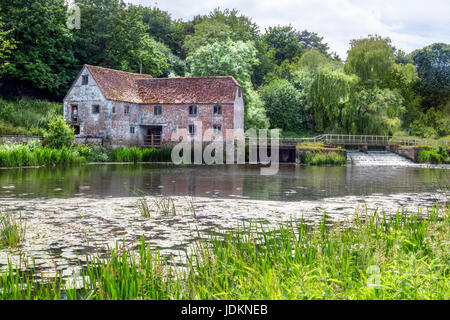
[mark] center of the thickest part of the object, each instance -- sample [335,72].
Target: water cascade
[377,158]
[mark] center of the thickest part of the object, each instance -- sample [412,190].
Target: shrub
[435,156]
[323,158]
[59,134]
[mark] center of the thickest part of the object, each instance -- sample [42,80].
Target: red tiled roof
[117,85]
[188,90]
[141,88]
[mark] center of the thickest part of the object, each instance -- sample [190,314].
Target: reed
[12,230]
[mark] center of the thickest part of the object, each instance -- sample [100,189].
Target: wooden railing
[152,140]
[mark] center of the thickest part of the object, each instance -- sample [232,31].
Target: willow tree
[373,111]
[329,93]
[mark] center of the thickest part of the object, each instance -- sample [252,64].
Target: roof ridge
[144,75]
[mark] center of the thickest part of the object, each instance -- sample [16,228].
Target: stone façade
[120,106]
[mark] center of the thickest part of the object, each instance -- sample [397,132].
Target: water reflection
[292,183]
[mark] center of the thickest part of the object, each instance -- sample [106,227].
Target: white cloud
[410,24]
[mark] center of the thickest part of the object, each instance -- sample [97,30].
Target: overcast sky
[411,24]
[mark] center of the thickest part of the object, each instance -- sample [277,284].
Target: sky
[411,24]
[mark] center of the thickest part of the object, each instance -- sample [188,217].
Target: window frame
[95,107]
[157,110]
[194,129]
[84,80]
[132,130]
[126,110]
[194,108]
[219,108]
[217,128]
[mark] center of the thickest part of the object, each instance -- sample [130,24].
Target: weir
[377,158]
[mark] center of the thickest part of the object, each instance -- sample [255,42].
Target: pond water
[292,183]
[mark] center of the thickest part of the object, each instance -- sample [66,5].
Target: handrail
[362,139]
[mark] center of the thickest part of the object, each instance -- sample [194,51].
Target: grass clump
[134,154]
[323,158]
[12,231]
[34,154]
[374,257]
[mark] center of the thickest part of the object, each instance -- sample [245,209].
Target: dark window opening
[95,109]
[126,110]
[113,110]
[132,130]
[239,92]
[193,110]
[84,80]
[76,129]
[191,129]
[217,128]
[157,110]
[217,109]
[74,113]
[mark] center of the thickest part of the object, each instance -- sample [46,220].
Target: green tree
[7,44]
[433,68]
[329,93]
[43,57]
[207,32]
[231,59]
[373,111]
[284,40]
[284,105]
[372,60]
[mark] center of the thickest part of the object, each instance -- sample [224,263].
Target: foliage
[59,134]
[315,158]
[373,111]
[140,155]
[6,44]
[432,124]
[372,60]
[435,155]
[27,116]
[284,105]
[433,63]
[231,59]
[252,262]
[44,44]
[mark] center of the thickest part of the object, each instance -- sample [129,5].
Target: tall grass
[12,230]
[323,158]
[26,116]
[406,255]
[23,155]
[134,154]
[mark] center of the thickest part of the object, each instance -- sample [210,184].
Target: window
[239,92]
[95,109]
[193,110]
[191,129]
[126,110]
[132,130]
[74,114]
[113,110]
[217,110]
[217,128]
[157,110]
[84,80]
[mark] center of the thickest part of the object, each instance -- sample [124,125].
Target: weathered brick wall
[19,139]
[115,126]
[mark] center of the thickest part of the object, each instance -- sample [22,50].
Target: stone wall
[19,139]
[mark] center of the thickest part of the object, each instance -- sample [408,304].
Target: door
[153,136]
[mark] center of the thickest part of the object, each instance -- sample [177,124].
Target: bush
[59,134]
[323,158]
[435,156]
